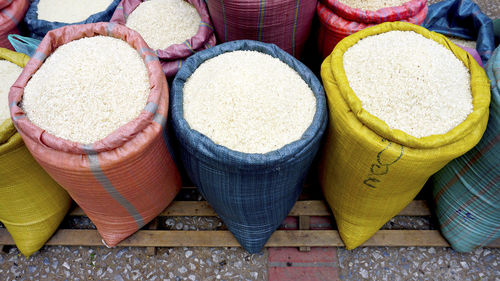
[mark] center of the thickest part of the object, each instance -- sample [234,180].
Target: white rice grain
[372,5]
[9,72]
[164,22]
[70,11]
[412,83]
[87,89]
[248,101]
[463,42]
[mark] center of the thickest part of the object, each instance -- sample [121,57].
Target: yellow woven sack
[32,205]
[369,172]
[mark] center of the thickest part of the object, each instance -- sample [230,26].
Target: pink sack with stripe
[338,21]
[172,57]
[124,180]
[11,14]
[286,23]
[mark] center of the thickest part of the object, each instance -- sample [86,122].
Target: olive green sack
[369,172]
[32,205]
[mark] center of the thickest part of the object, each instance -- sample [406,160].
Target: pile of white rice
[412,83]
[87,89]
[372,5]
[8,75]
[164,22]
[248,101]
[70,11]
[463,42]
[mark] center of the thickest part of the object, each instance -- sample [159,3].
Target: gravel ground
[410,223]
[416,263]
[99,263]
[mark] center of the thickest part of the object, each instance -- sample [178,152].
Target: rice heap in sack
[403,103]
[175,29]
[46,15]
[249,118]
[104,140]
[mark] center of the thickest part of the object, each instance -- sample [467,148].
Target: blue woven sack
[467,190]
[38,28]
[252,193]
[464,19]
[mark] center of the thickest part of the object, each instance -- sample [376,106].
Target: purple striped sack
[11,14]
[286,23]
[173,56]
[473,53]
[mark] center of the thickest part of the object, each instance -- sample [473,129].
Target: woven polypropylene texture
[397,13]
[124,180]
[32,204]
[173,56]
[286,23]
[252,193]
[334,27]
[496,31]
[464,19]
[11,14]
[370,172]
[467,190]
[474,54]
[38,28]
[23,44]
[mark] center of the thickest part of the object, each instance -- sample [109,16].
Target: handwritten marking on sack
[384,161]
[465,215]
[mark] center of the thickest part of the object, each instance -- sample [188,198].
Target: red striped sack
[398,13]
[124,180]
[335,27]
[11,14]
[173,56]
[286,23]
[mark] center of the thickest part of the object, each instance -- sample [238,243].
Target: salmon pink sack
[124,180]
[173,56]
[11,14]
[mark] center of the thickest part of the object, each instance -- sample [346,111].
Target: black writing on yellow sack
[384,161]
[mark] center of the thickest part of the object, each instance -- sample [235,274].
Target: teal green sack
[467,190]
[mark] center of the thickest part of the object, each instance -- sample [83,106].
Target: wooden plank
[304,224]
[310,208]
[153,225]
[496,242]
[407,238]
[417,208]
[281,238]
[189,209]
[142,238]
[301,208]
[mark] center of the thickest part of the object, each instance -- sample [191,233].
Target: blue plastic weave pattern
[252,193]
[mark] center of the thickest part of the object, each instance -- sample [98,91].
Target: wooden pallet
[303,238]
